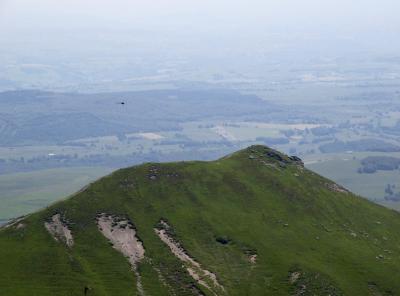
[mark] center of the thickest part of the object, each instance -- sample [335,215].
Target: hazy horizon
[313,20]
[345,16]
[66,43]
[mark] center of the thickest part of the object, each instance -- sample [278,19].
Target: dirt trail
[122,234]
[200,275]
[59,230]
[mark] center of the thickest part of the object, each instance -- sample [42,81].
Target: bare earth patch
[253,259]
[337,188]
[201,276]
[122,234]
[59,230]
[20,226]
[294,276]
[12,222]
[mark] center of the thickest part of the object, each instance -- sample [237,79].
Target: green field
[342,168]
[22,193]
[309,236]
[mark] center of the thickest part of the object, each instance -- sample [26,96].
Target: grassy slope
[293,223]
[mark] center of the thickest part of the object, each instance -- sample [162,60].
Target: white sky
[314,15]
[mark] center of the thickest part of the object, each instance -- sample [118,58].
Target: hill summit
[255,222]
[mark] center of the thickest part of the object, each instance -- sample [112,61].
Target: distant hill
[32,117]
[252,223]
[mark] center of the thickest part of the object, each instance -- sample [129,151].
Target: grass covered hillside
[253,223]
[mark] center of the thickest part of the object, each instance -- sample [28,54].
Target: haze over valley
[332,123]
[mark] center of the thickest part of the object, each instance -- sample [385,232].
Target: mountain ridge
[255,222]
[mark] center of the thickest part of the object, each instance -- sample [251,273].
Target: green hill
[253,223]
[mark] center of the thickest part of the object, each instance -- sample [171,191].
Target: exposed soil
[337,188]
[200,275]
[294,276]
[59,230]
[253,259]
[20,226]
[12,222]
[122,234]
